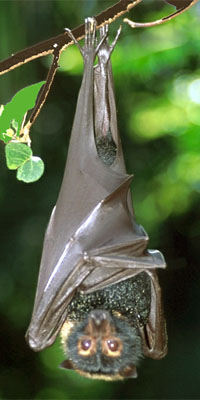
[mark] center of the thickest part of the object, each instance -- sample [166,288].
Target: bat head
[102,346]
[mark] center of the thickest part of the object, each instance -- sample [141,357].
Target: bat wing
[154,333]
[105,253]
[86,182]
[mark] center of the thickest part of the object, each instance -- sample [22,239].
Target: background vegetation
[157,82]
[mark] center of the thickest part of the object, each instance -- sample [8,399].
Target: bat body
[97,281]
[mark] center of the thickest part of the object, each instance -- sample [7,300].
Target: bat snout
[99,323]
[99,316]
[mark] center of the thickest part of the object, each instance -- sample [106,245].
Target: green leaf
[31,170]
[17,154]
[15,110]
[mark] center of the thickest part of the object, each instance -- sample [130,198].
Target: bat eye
[113,345]
[86,344]
[86,347]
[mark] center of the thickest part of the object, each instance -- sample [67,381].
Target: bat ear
[129,372]
[66,364]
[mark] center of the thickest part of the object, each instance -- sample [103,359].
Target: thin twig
[43,95]
[158,21]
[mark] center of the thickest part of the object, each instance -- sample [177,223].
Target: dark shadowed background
[157,84]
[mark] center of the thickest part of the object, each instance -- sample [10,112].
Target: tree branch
[59,43]
[63,41]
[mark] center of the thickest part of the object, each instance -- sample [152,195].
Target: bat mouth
[128,372]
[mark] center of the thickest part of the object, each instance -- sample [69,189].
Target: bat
[98,284]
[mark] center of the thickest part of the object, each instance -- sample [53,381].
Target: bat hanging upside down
[98,285]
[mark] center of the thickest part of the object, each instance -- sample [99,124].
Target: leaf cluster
[12,120]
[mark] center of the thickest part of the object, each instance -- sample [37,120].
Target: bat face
[102,346]
[97,282]
[101,336]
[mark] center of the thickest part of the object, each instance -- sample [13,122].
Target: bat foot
[90,39]
[90,33]
[103,49]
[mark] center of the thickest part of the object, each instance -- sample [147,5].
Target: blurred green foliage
[157,82]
